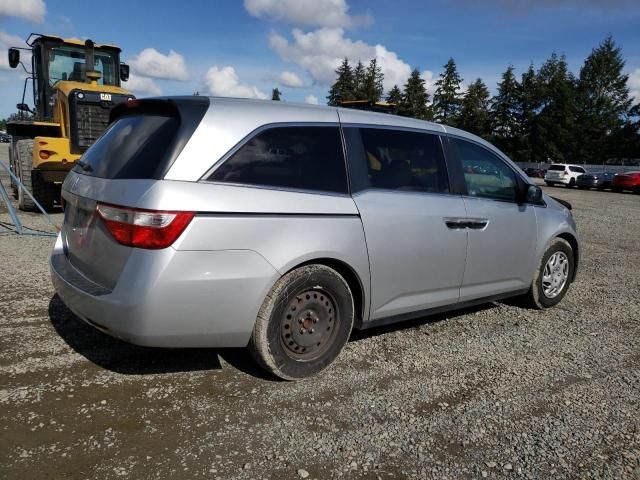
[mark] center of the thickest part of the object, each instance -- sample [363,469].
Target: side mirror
[124,72]
[533,194]
[14,57]
[23,107]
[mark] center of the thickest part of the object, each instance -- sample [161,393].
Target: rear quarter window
[557,168]
[133,147]
[296,157]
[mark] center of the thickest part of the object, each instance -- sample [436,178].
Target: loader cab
[55,60]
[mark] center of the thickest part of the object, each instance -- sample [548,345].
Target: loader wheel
[44,192]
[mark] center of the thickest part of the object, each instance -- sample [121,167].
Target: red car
[626,181]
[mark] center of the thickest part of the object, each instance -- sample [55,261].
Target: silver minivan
[218,222]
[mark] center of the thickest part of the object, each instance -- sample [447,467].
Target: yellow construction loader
[75,85]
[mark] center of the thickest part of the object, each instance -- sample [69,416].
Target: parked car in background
[535,172]
[565,174]
[600,180]
[4,138]
[290,225]
[626,181]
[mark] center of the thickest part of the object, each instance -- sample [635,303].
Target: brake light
[565,173]
[150,229]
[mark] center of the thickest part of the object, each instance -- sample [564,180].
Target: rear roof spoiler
[165,106]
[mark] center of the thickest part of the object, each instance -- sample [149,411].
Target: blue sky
[245,48]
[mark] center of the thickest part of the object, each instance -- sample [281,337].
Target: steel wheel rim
[555,274]
[309,324]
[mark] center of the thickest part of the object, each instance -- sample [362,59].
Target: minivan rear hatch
[137,149]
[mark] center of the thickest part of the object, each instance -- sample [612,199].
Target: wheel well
[574,246]
[352,279]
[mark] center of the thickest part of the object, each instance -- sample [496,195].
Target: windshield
[68,63]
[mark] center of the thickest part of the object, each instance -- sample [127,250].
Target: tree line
[548,114]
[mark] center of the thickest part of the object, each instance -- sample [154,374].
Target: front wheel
[304,322]
[553,276]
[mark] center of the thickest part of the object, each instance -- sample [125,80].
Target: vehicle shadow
[124,358]
[121,357]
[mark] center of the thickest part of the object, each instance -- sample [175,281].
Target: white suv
[563,173]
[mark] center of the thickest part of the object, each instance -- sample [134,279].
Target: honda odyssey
[218,222]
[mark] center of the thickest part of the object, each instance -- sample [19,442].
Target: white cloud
[290,79]
[8,40]
[312,99]
[142,86]
[224,82]
[32,10]
[634,84]
[151,63]
[429,81]
[313,13]
[320,52]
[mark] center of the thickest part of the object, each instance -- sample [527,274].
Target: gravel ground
[495,391]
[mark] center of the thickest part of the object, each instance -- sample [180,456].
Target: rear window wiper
[84,165]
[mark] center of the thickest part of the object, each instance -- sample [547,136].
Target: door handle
[456,223]
[477,223]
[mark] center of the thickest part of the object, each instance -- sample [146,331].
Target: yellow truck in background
[75,85]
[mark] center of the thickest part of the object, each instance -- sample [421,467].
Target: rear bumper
[169,298]
[587,183]
[557,180]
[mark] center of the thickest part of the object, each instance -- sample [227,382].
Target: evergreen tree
[359,78]
[395,96]
[504,114]
[372,89]
[625,140]
[447,98]
[602,101]
[528,110]
[343,88]
[474,113]
[415,98]
[275,94]
[556,122]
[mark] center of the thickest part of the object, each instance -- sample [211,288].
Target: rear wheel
[550,184]
[44,192]
[553,276]
[572,183]
[304,322]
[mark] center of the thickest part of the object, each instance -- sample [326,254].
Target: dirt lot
[496,391]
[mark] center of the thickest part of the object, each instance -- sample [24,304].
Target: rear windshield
[133,147]
[556,167]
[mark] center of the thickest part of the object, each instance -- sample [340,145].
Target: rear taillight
[150,229]
[565,173]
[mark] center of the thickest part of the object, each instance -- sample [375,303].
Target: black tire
[572,183]
[536,298]
[616,189]
[284,341]
[44,192]
[550,184]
